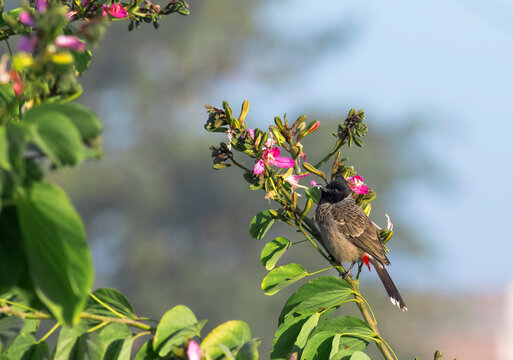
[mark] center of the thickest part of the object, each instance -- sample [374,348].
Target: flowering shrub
[46,270]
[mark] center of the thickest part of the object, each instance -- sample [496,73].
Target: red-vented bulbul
[349,234]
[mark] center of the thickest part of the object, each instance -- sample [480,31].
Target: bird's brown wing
[358,228]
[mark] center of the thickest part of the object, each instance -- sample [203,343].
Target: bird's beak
[322,187]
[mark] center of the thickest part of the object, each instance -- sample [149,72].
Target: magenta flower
[26,19]
[356,184]
[293,180]
[115,10]
[70,42]
[272,157]
[193,351]
[314,183]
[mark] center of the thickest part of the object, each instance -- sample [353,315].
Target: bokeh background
[435,81]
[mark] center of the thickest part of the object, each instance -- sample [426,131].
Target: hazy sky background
[447,62]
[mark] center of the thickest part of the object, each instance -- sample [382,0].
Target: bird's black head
[335,191]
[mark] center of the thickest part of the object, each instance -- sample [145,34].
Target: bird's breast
[337,244]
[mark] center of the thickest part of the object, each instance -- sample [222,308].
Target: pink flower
[314,183]
[115,10]
[26,19]
[193,351]
[272,157]
[356,184]
[70,42]
[293,180]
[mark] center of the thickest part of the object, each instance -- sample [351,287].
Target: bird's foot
[346,274]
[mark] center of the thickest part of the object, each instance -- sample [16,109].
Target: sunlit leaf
[273,250]
[319,294]
[260,224]
[282,277]
[231,334]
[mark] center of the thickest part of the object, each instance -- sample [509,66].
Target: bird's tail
[392,291]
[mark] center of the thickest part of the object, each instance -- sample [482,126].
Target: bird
[350,236]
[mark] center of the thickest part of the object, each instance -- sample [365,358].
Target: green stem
[319,271]
[8,47]
[12,303]
[50,332]
[332,152]
[236,163]
[370,320]
[314,244]
[126,321]
[41,316]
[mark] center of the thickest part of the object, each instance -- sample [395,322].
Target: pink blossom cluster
[357,185]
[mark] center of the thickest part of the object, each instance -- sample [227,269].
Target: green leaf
[318,346]
[335,344]
[146,352]
[37,351]
[321,293]
[82,60]
[346,322]
[113,299]
[87,347]
[17,145]
[86,121]
[12,258]
[355,334]
[360,356]
[67,338]
[314,194]
[10,327]
[282,277]
[286,335]
[232,334]
[173,320]
[249,351]
[55,134]
[76,343]
[4,151]
[260,224]
[181,337]
[19,346]
[273,250]
[307,329]
[58,258]
[117,340]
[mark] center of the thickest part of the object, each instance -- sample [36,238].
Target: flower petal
[193,351]
[284,162]
[275,152]
[259,167]
[70,42]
